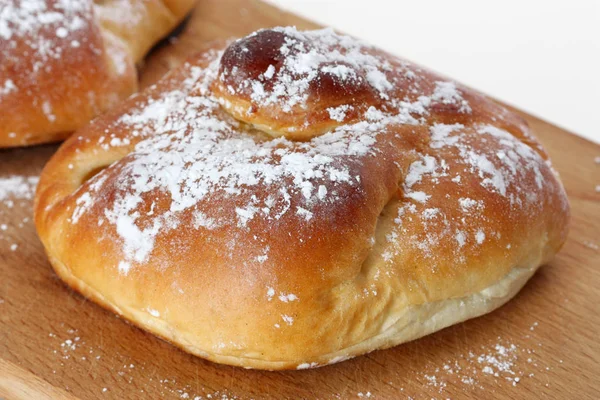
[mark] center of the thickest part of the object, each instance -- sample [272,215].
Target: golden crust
[417,203]
[65,63]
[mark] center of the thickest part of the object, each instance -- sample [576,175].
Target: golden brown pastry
[65,61]
[299,198]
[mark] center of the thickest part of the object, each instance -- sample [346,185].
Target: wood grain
[56,344]
[16,383]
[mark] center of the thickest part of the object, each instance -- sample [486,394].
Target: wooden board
[54,344]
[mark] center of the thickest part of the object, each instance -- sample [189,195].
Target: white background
[541,56]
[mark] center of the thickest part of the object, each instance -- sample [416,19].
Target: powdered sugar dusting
[479,236]
[308,55]
[306,366]
[216,162]
[7,87]
[16,195]
[499,168]
[501,362]
[468,205]
[122,12]
[447,93]
[17,187]
[288,297]
[47,109]
[193,153]
[498,361]
[44,27]
[35,37]
[339,113]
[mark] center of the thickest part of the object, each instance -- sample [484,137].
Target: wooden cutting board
[54,344]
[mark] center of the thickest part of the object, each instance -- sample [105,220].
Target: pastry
[66,61]
[293,199]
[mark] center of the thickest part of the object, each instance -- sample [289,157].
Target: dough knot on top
[301,84]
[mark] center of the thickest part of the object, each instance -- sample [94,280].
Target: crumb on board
[500,360]
[503,361]
[15,191]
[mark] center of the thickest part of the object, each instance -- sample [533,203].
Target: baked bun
[66,61]
[294,199]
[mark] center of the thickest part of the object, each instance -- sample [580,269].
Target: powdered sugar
[515,159]
[269,72]
[287,319]
[216,162]
[17,187]
[16,193]
[307,55]
[306,365]
[7,87]
[44,27]
[191,153]
[270,293]
[461,238]
[447,93]
[286,298]
[426,166]
[466,204]
[307,215]
[498,362]
[500,167]
[440,135]
[47,109]
[479,236]
[490,176]
[201,220]
[121,12]
[339,113]
[420,197]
